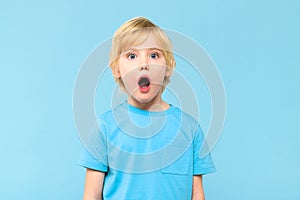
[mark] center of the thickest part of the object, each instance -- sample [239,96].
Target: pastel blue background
[255,45]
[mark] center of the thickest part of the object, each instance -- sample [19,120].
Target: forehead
[150,42]
[142,40]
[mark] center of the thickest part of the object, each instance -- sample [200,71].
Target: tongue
[144,82]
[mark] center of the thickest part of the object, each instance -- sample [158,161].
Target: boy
[145,148]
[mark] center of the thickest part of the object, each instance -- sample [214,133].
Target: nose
[144,64]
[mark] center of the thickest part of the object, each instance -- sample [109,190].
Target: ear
[170,69]
[116,72]
[167,73]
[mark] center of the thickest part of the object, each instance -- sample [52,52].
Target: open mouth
[144,83]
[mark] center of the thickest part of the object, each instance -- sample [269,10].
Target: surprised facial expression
[143,70]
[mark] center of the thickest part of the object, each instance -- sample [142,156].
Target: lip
[144,89]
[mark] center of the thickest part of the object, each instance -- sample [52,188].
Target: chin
[144,100]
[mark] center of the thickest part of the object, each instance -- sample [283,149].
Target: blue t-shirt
[146,155]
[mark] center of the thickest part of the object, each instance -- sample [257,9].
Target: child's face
[143,69]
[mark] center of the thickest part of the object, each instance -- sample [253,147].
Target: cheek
[158,75]
[129,78]
[126,68]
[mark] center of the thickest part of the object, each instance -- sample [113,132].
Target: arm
[93,185]
[198,192]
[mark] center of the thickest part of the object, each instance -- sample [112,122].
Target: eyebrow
[135,49]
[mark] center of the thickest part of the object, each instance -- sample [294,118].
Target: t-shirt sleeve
[202,164]
[94,155]
[87,160]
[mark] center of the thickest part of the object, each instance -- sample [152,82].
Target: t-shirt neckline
[134,109]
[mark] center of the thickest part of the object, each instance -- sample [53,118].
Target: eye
[131,56]
[154,55]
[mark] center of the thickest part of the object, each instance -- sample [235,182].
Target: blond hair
[133,33]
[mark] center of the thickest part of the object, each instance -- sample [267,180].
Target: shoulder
[187,121]
[186,116]
[109,114]
[111,118]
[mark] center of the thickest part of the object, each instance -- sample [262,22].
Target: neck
[155,105]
